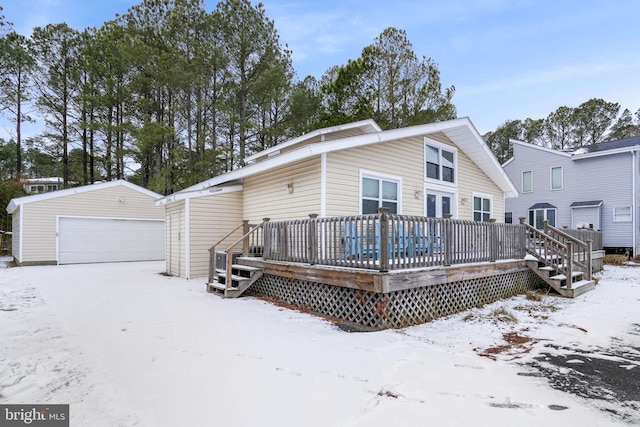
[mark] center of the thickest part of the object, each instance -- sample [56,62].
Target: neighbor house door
[175,237]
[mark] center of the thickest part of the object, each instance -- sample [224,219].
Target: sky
[508,59]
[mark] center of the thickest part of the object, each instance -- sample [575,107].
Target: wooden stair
[242,277]
[572,288]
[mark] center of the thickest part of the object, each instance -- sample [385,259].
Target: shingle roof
[587,204]
[543,206]
[610,145]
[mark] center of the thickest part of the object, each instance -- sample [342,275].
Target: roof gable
[460,131]
[318,135]
[15,203]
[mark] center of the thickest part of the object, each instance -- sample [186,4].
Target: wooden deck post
[245,241]
[494,243]
[569,266]
[589,266]
[266,238]
[384,239]
[312,239]
[448,240]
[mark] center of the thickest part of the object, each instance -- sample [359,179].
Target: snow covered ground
[127,346]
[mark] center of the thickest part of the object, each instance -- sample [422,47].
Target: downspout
[634,198]
[21,239]
[187,243]
[323,185]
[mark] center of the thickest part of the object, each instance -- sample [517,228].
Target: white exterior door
[88,240]
[438,203]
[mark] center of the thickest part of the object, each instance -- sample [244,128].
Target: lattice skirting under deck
[396,309]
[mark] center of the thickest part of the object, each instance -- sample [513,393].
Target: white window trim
[441,189]
[379,175]
[440,146]
[561,178]
[630,216]
[546,216]
[522,182]
[484,196]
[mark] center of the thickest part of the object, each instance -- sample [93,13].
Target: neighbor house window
[379,193]
[537,217]
[481,208]
[440,161]
[508,217]
[622,214]
[527,181]
[556,178]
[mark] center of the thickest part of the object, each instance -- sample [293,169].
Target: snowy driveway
[127,346]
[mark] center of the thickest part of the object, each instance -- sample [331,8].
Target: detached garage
[108,222]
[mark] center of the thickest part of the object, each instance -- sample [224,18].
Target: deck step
[240,267]
[564,277]
[217,286]
[579,284]
[578,288]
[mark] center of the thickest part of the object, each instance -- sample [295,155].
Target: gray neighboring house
[594,186]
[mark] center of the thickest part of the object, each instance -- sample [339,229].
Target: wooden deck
[390,271]
[384,282]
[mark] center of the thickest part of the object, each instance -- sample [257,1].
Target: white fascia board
[14,203]
[461,131]
[604,153]
[184,195]
[313,134]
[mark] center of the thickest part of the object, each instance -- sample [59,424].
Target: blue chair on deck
[352,241]
[420,243]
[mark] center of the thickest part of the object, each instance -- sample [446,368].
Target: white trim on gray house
[599,187]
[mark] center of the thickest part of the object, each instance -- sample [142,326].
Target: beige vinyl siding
[405,159]
[212,217]
[402,158]
[176,255]
[15,230]
[472,180]
[266,195]
[39,218]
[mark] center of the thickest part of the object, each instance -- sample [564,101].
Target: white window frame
[532,215]
[530,184]
[618,217]
[561,178]
[440,146]
[440,191]
[481,196]
[381,177]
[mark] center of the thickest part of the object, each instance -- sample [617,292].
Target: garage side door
[87,240]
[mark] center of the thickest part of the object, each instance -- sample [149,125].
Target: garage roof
[15,203]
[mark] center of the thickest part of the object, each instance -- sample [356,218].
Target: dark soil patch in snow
[516,345]
[610,375]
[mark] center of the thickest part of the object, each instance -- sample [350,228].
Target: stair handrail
[247,232]
[564,250]
[212,250]
[587,246]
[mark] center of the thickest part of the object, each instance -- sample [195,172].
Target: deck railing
[559,250]
[251,243]
[580,249]
[386,241]
[584,234]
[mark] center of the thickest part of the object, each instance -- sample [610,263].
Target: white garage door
[85,240]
